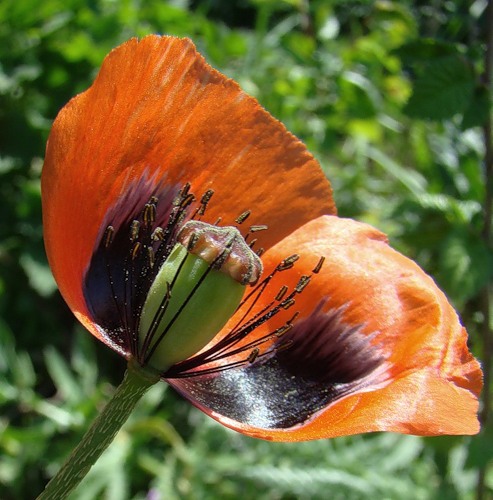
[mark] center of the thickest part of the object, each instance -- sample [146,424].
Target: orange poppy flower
[340,334]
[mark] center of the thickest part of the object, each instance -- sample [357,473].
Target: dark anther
[288,262]
[304,280]
[150,253]
[149,213]
[135,249]
[108,236]
[259,227]
[158,234]
[282,292]
[204,201]
[253,355]
[253,242]
[243,217]
[186,201]
[282,346]
[286,304]
[283,329]
[260,251]
[319,265]
[184,190]
[134,230]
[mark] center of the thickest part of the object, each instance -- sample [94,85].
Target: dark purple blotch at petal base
[319,361]
[119,275]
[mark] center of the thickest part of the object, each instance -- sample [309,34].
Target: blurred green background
[391,98]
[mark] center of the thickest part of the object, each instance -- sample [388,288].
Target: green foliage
[388,97]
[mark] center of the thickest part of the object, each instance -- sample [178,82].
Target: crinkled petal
[428,383]
[157,112]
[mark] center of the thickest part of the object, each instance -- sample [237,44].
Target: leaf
[465,264]
[411,179]
[444,89]
[478,110]
[39,275]
[63,377]
[424,49]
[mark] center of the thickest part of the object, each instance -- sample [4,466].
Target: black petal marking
[136,238]
[321,348]
[317,362]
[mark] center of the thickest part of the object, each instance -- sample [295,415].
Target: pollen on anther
[150,254]
[288,262]
[243,217]
[134,230]
[302,283]
[259,227]
[204,201]
[158,234]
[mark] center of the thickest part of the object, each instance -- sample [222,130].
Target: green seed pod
[192,296]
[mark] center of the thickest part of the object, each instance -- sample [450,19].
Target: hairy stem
[136,382]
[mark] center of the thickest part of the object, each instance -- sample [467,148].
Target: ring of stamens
[150,244]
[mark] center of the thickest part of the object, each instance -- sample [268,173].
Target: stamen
[150,246]
[150,254]
[253,355]
[136,250]
[288,262]
[158,234]
[204,201]
[283,329]
[319,265]
[243,217]
[186,201]
[109,233]
[259,227]
[281,293]
[286,304]
[134,230]
[149,213]
[183,193]
[302,283]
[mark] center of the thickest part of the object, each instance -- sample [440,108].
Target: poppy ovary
[195,292]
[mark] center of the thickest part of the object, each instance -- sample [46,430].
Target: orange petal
[431,382]
[158,110]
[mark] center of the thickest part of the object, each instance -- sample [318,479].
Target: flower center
[162,283]
[195,292]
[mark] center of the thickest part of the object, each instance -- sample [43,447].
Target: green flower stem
[136,382]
